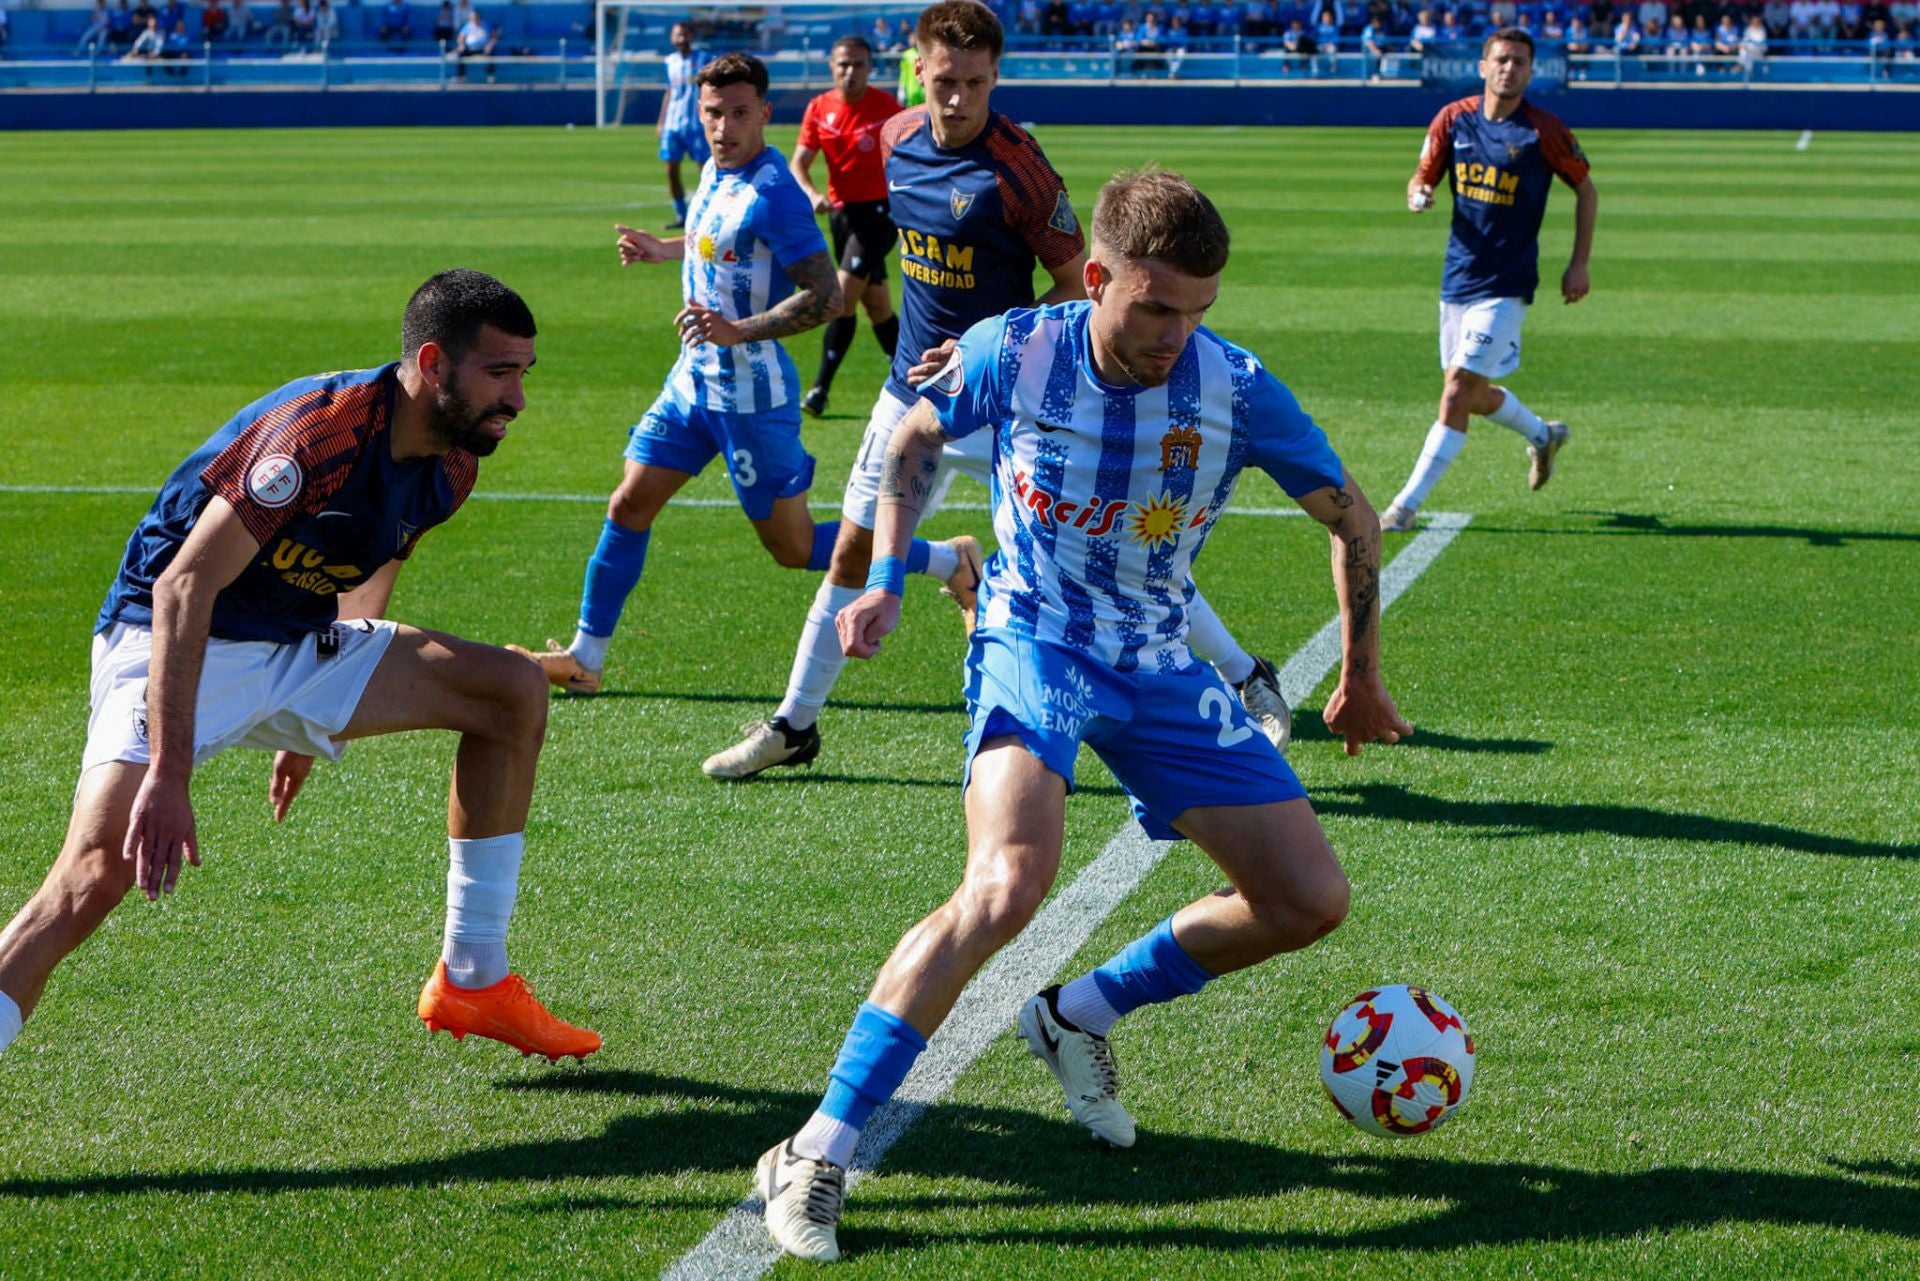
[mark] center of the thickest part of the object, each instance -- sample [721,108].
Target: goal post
[630,44]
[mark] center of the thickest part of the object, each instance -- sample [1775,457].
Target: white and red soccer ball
[1397,1061]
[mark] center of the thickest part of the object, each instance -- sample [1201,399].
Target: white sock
[1442,447]
[818,661]
[1512,414]
[10,1021]
[942,561]
[1084,1005]
[483,876]
[826,1138]
[1210,639]
[590,650]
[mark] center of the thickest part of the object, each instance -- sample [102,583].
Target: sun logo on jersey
[1157,522]
[706,247]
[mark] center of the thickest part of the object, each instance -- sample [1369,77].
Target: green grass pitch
[1656,836]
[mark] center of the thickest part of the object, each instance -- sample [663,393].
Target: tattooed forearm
[906,477]
[815,300]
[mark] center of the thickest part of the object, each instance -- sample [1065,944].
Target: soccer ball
[1397,1061]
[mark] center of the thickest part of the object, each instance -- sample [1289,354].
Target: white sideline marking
[589,498]
[739,1248]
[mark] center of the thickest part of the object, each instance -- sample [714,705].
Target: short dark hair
[960,24]
[1151,213]
[849,41]
[452,306]
[734,69]
[1508,35]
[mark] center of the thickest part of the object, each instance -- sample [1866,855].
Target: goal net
[631,43]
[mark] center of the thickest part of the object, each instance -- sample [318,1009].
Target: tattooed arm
[906,482]
[814,301]
[1360,710]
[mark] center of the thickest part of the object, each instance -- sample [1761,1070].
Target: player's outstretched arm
[160,830]
[1360,711]
[1575,284]
[814,301]
[636,245]
[906,483]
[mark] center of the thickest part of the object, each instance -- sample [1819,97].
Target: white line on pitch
[739,1249]
[585,498]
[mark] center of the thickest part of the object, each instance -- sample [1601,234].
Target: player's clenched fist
[863,624]
[1419,196]
[640,246]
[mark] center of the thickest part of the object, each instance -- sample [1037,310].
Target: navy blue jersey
[310,471]
[1501,172]
[973,221]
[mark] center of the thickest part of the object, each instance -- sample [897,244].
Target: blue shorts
[1173,740]
[764,456]
[685,144]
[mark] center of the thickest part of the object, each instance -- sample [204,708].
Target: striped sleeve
[1560,149]
[292,458]
[1032,196]
[898,129]
[1436,153]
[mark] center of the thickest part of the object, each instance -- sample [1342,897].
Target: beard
[1142,373]
[456,423]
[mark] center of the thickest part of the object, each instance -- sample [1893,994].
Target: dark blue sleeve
[967,393]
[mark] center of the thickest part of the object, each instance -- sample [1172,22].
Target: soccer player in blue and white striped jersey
[681,136]
[1119,427]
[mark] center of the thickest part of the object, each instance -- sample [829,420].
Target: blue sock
[680,208]
[1151,969]
[612,572]
[823,539]
[874,1059]
[917,554]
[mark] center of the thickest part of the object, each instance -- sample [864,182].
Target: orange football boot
[507,1012]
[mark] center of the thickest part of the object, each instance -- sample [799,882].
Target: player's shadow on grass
[1024,1161]
[771,698]
[1514,818]
[1309,728]
[1433,1203]
[1632,523]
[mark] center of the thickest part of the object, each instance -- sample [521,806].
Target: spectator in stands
[1879,46]
[1579,44]
[1778,15]
[1176,41]
[1699,45]
[1055,21]
[1903,44]
[1256,19]
[396,22]
[444,28]
[1374,44]
[1450,29]
[326,24]
[303,20]
[96,32]
[1326,40]
[1853,21]
[1600,15]
[1423,34]
[172,14]
[150,43]
[903,38]
[241,23]
[177,48]
[1676,37]
[1826,19]
[1626,37]
[474,41]
[1726,36]
[1550,28]
[213,21]
[1028,21]
[280,30]
[1503,13]
[120,26]
[1753,47]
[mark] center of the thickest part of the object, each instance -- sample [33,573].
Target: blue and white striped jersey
[745,227]
[683,95]
[1103,495]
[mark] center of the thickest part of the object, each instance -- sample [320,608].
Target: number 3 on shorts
[1215,704]
[743,471]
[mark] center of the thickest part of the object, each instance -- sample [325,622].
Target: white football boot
[1260,695]
[1540,457]
[803,1198]
[1082,1063]
[1398,519]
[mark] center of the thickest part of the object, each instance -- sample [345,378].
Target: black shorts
[863,232]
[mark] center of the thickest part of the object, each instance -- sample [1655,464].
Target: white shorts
[972,456]
[293,697]
[1483,336]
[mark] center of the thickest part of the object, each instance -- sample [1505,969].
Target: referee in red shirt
[844,122]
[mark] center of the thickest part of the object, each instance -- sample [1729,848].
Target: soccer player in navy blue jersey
[977,206]
[1117,428]
[1500,154]
[248,612]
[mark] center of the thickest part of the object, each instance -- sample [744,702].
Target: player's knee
[520,694]
[88,882]
[1317,908]
[998,909]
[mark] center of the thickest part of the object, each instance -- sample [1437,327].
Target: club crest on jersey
[959,201]
[274,481]
[1063,220]
[1180,449]
[407,533]
[1513,152]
